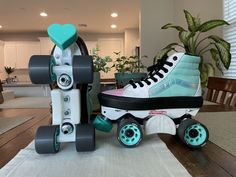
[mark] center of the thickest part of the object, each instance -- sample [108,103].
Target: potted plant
[194,44]
[128,68]
[99,65]
[9,70]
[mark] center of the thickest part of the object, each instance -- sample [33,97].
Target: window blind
[229,33]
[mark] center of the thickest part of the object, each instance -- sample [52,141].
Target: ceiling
[23,15]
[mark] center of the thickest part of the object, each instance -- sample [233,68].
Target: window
[230,34]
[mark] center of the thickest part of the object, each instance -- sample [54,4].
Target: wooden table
[209,161]
[12,141]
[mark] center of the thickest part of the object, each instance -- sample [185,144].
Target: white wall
[206,9]
[96,36]
[34,36]
[155,14]
[131,41]
[23,36]
[1,58]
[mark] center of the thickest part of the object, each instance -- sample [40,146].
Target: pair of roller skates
[164,102]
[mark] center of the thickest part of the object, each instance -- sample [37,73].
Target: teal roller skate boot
[169,94]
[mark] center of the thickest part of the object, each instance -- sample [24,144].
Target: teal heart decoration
[62,35]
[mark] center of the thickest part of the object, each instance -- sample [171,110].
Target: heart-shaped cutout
[62,35]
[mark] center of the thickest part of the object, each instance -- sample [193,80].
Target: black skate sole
[129,103]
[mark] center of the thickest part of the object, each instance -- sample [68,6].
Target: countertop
[23,84]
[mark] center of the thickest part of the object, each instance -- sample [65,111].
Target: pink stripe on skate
[117,92]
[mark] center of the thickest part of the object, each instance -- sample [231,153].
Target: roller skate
[164,102]
[68,70]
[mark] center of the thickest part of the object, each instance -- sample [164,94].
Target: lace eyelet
[175,58]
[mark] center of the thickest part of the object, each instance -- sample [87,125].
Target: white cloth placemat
[151,159]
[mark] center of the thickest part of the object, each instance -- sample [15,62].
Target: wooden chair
[221,90]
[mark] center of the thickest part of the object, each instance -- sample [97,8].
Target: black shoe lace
[153,70]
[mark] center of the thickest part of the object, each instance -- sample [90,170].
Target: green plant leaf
[169,25]
[9,70]
[184,36]
[116,53]
[216,58]
[221,41]
[210,70]
[225,55]
[206,70]
[211,24]
[161,54]
[190,21]
[203,77]
[197,22]
[214,54]
[99,63]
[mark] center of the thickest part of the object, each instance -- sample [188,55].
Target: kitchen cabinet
[91,45]
[10,55]
[46,45]
[17,54]
[1,56]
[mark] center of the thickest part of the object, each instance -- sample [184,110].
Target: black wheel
[129,132]
[40,69]
[193,133]
[46,139]
[85,137]
[82,69]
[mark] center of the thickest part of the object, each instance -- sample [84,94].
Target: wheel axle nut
[64,80]
[67,128]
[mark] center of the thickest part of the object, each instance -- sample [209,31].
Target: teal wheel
[193,133]
[129,132]
[101,123]
[46,139]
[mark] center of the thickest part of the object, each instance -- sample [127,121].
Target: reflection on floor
[27,102]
